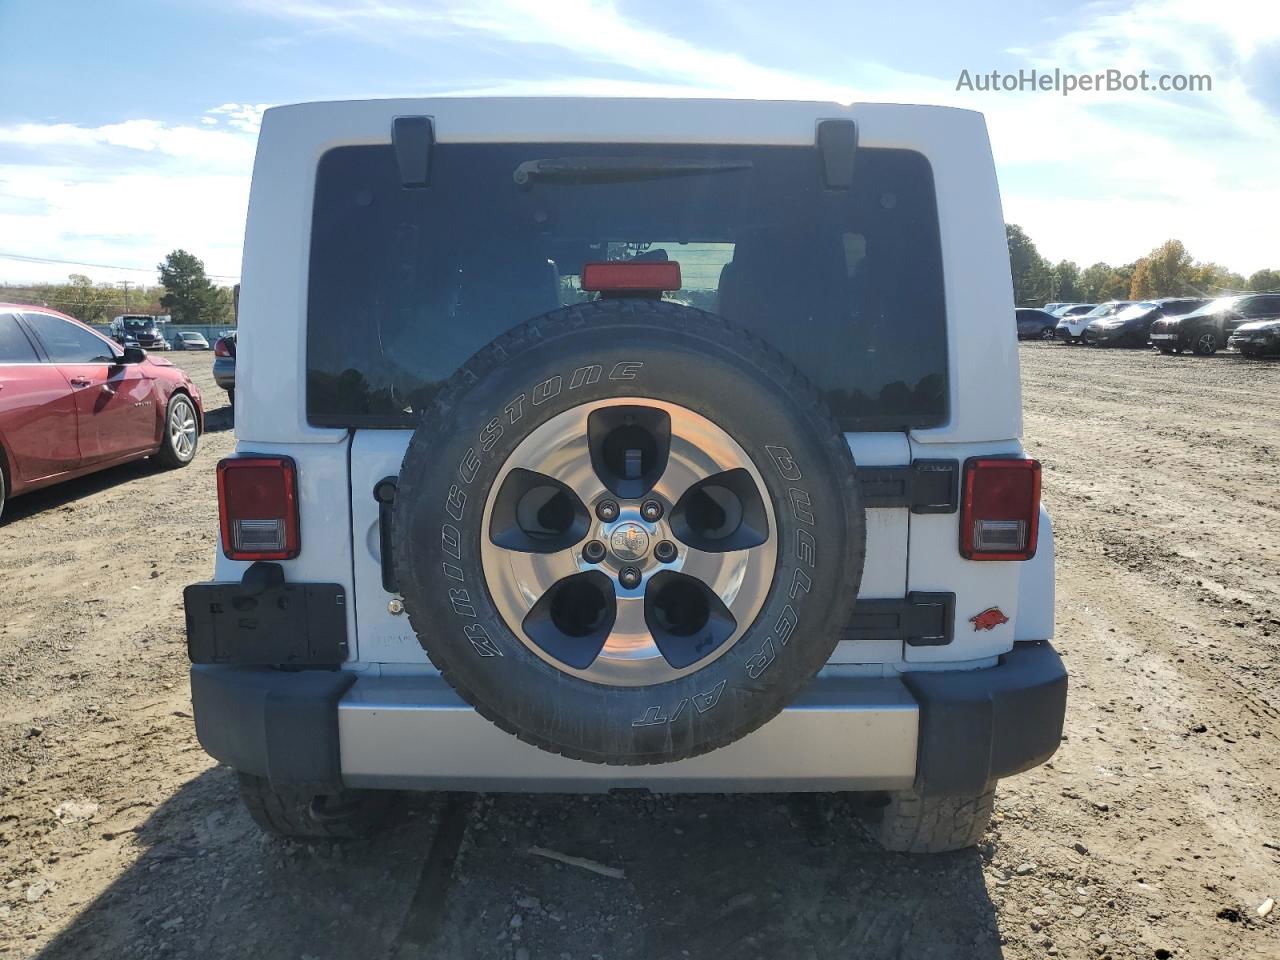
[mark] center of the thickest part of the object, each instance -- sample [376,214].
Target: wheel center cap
[629,541]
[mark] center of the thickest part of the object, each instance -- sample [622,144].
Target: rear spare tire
[628,532]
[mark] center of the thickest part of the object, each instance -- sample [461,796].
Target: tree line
[1167,271]
[184,292]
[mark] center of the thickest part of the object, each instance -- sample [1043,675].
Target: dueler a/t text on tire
[628,532]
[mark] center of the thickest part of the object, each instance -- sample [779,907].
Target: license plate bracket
[288,624]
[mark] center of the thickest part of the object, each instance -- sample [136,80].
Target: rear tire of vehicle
[231,397]
[1206,345]
[911,823]
[293,815]
[181,436]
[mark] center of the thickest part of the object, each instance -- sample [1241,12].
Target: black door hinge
[918,619]
[926,486]
[838,146]
[413,139]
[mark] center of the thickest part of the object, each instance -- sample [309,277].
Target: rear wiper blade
[615,169]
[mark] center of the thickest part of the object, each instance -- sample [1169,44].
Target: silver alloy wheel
[1207,343]
[631,655]
[182,428]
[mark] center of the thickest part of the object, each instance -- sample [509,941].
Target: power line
[102,266]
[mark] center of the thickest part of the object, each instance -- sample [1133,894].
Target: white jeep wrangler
[596,444]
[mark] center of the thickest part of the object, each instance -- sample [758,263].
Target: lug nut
[665,551]
[629,577]
[593,551]
[607,511]
[651,510]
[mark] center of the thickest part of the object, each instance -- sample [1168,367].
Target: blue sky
[133,133]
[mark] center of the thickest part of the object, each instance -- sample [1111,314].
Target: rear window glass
[65,342]
[1176,308]
[14,345]
[405,285]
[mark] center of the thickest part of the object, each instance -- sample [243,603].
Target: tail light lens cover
[258,508]
[1000,508]
[220,348]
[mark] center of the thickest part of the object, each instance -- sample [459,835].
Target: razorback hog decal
[988,619]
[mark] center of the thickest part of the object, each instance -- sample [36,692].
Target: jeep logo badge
[629,541]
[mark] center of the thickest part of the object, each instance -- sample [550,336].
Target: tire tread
[167,457]
[912,823]
[287,815]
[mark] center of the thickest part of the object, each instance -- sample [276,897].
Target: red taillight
[631,275]
[258,508]
[1000,509]
[220,348]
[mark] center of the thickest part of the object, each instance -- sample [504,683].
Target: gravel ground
[1153,833]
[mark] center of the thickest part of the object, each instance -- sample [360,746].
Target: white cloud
[218,148]
[1192,166]
[122,193]
[245,117]
[1147,165]
[590,31]
[1090,176]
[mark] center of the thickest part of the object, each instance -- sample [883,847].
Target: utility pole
[125,284]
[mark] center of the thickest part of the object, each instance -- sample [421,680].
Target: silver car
[189,340]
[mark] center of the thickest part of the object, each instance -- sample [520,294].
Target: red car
[73,401]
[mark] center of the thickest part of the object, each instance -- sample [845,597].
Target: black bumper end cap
[980,725]
[278,724]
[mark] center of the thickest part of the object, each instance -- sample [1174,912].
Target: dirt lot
[1155,832]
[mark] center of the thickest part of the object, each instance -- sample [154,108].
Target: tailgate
[386,637]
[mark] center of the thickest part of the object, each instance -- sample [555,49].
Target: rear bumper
[943,733]
[224,373]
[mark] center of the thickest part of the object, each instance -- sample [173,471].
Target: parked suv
[1132,325]
[1260,337]
[1073,310]
[1071,325]
[1207,330]
[600,444]
[138,330]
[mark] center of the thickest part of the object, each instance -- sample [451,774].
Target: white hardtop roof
[618,119]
